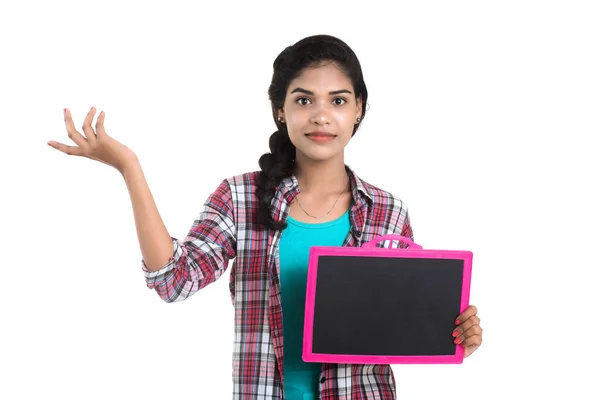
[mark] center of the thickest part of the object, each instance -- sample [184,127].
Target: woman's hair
[312,51]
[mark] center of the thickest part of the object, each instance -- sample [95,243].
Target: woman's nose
[320,114]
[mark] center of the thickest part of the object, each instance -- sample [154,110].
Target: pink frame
[369,249]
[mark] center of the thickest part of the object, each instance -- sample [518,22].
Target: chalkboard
[372,305]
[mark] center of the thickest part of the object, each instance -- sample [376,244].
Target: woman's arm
[154,239]
[201,258]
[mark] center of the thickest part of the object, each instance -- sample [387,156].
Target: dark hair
[312,51]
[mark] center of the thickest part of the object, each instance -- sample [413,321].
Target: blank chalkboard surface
[372,305]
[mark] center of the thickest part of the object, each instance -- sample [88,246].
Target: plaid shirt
[227,229]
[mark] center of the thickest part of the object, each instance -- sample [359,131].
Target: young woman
[304,195]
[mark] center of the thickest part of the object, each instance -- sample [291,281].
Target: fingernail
[456,341]
[457,322]
[454,334]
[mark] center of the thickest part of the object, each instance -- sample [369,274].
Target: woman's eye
[298,100]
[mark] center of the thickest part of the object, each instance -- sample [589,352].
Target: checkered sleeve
[407,228]
[204,255]
[403,226]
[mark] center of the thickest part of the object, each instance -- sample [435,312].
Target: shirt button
[323,380]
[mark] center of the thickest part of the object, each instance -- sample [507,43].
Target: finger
[72,132]
[473,320]
[70,150]
[474,340]
[100,132]
[87,127]
[470,311]
[475,330]
[470,349]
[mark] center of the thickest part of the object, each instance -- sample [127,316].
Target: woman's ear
[359,106]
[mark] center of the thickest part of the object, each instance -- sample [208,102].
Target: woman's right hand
[95,145]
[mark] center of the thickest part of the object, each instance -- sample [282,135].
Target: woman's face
[320,100]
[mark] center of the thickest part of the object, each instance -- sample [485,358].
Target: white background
[483,117]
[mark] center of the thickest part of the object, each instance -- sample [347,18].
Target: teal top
[302,378]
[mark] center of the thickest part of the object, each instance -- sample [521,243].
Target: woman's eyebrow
[300,90]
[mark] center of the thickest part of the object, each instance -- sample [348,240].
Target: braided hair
[312,51]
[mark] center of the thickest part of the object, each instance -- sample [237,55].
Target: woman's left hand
[468,332]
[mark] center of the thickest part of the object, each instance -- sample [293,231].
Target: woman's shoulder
[389,212]
[245,178]
[241,185]
[381,197]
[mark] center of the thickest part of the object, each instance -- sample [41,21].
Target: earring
[357,120]
[280,119]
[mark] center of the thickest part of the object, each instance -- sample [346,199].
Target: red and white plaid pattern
[227,229]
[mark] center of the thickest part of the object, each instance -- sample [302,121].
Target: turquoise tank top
[302,378]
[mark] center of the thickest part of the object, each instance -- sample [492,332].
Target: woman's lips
[318,138]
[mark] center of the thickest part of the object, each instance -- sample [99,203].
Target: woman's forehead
[321,80]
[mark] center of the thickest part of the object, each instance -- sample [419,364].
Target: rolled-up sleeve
[204,255]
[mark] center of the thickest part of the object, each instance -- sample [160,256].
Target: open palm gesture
[95,145]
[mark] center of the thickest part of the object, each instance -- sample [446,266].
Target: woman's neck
[322,177]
